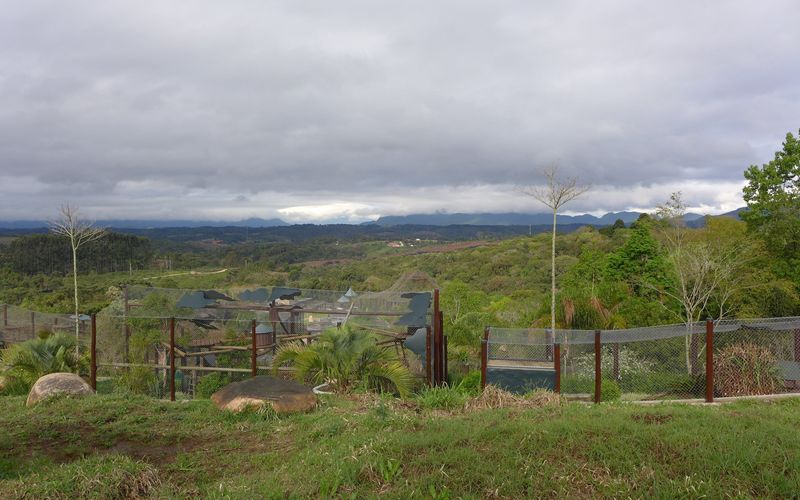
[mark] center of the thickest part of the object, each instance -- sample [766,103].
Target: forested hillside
[51,254]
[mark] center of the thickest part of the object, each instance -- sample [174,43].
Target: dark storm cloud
[356,108]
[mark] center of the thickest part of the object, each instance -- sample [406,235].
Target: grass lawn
[113,446]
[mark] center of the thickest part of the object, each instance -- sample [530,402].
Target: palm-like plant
[26,362]
[345,358]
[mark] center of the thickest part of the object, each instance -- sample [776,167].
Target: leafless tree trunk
[703,271]
[556,193]
[78,231]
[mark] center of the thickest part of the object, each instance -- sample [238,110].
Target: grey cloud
[324,102]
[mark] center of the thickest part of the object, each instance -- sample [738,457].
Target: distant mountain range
[153,224]
[512,219]
[436,219]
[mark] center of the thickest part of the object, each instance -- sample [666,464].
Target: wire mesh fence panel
[19,324]
[666,368]
[750,357]
[577,369]
[212,354]
[756,357]
[520,360]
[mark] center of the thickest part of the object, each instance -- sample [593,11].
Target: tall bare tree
[705,269]
[556,193]
[78,231]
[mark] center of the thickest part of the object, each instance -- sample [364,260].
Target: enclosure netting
[19,324]
[214,329]
[751,356]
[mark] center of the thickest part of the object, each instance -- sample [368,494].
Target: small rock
[57,383]
[285,396]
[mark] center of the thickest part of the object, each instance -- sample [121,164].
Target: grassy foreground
[115,446]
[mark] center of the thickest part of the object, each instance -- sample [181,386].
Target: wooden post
[5,314]
[709,361]
[484,356]
[93,355]
[428,351]
[597,367]
[172,359]
[557,367]
[253,370]
[33,324]
[615,353]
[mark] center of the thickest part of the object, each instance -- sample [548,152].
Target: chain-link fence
[19,324]
[215,331]
[749,357]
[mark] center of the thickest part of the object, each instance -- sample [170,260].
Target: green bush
[347,358]
[572,384]
[609,391]
[470,384]
[10,386]
[138,380]
[210,384]
[34,358]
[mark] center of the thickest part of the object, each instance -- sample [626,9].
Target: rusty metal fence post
[709,361]
[484,356]
[93,355]
[428,351]
[172,359]
[598,373]
[437,340]
[253,370]
[557,367]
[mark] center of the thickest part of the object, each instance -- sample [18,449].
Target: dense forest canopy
[51,254]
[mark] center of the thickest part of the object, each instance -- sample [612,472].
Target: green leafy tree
[344,358]
[772,195]
[640,262]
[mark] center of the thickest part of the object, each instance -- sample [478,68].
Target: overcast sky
[335,109]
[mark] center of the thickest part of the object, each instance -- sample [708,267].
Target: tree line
[51,254]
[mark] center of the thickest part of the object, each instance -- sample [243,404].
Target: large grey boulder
[285,396]
[58,383]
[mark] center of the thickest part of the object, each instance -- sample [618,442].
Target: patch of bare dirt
[650,418]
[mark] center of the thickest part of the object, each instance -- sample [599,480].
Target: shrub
[210,384]
[445,398]
[470,384]
[609,390]
[745,369]
[577,385]
[10,386]
[347,358]
[28,361]
[138,380]
[630,363]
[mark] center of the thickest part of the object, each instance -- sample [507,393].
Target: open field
[364,446]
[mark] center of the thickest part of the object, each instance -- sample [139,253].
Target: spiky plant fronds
[345,358]
[28,361]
